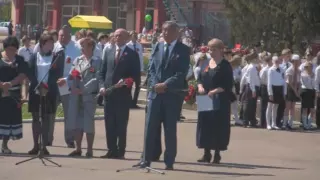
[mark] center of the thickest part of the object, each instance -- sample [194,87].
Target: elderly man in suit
[118,62]
[168,69]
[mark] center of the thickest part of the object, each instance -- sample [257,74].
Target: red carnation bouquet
[190,98]
[75,74]
[128,82]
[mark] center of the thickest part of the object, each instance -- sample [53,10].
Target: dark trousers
[318,113]
[136,92]
[116,111]
[168,110]
[40,127]
[280,112]
[263,107]
[249,111]
[241,111]
[100,100]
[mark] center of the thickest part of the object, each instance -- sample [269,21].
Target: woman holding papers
[84,88]
[216,81]
[45,69]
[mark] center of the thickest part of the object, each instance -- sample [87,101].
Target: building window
[150,4]
[32,14]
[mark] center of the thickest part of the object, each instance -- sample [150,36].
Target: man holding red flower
[118,64]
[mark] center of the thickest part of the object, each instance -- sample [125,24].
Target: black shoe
[71,145]
[75,153]
[216,159]
[142,164]
[89,154]
[169,168]
[155,159]
[110,155]
[205,158]
[46,152]
[182,117]
[134,106]
[34,151]
[49,144]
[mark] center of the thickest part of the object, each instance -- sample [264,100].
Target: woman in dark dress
[13,70]
[213,128]
[45,67]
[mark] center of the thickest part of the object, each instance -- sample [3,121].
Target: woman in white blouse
[277,89]
[45,69]
[307,95]
[293,96]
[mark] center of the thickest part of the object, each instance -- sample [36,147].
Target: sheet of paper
[64,90]
[204,103]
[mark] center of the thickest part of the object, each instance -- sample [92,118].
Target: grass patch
[27,115]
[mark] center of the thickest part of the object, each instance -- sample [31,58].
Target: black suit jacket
[111,73]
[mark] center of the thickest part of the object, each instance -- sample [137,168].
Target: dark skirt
[10,118]
[264,92]
[48,103]
[213,128]
[308,98]
[291,96]
[278,95]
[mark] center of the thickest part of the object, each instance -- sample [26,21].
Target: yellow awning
[90,22]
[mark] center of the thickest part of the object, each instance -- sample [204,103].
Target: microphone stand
[142,164]
[41,115]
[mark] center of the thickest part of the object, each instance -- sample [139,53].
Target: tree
[278,23]
[5,11]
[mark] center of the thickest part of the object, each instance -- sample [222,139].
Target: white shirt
[276,78]
[290,72]
[121,50]
[252,77]
[136,46]
[317,79]
[172,44]
[71,51]
[285,65]
[307,82]
[237,74]
[301,67]
[43,66]
[36,48]
[264,75]
[97,52]
[25,53]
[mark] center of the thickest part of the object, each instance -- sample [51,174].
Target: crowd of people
[95,69]
[279,82]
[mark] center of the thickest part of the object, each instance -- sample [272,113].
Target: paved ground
[253,154]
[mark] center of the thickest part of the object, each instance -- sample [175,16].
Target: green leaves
[278,23]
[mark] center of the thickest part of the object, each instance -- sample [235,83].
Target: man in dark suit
[118,62]
[168,69]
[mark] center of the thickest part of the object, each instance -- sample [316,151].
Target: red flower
[204,49]
[44,85]
[75,74]
[68,60]
[187,98]
[128,82]
[92,69]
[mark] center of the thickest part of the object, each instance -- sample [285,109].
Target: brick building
[206,17]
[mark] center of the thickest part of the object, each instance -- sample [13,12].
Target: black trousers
[116,122]
[280,113]
[249,112]
[100,100]
[137,82]
[318,112]
[263,106]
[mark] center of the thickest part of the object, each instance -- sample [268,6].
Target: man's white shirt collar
[172,44]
